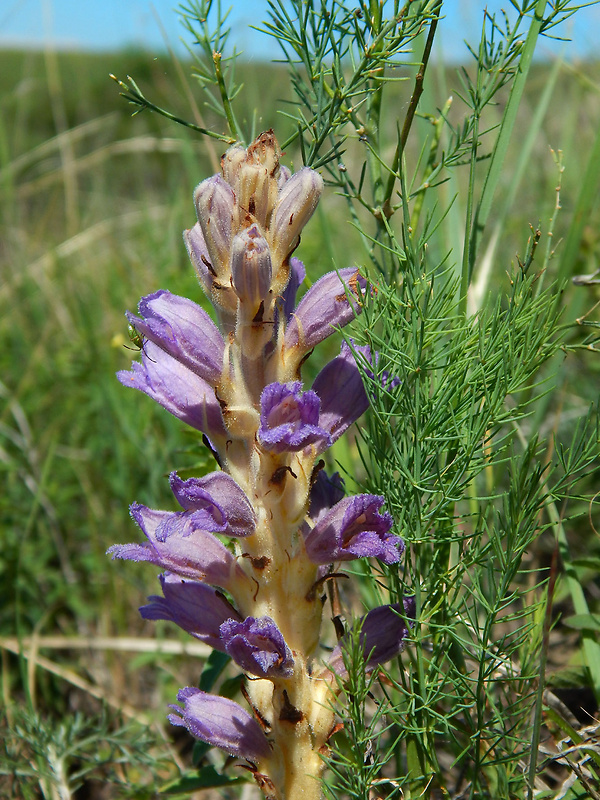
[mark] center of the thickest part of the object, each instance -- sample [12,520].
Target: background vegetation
[93,205]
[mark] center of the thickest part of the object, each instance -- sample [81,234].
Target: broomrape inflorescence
[257,593]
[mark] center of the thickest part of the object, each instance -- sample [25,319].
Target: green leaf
[215,664]
[568,677]
[587,562]
[583,622]
[206,778]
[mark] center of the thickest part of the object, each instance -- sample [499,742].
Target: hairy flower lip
[183,330]
[231,509]
[193,553]
[289,419]
[352,529]
[257,645]
[222,723]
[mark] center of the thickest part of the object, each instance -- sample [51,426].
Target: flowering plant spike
[271,525]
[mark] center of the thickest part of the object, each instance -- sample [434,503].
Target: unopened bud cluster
[246,558]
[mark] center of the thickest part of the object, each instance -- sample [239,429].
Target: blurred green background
[93,204]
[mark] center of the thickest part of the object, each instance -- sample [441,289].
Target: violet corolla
[246,555]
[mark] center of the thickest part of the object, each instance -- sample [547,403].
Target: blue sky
[109,24]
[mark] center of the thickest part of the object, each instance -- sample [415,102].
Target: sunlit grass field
[93,204]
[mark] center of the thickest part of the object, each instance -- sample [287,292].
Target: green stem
[227,107]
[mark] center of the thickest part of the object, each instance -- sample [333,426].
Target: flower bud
[231,162]
[198,253]
[257,192]
[215,205]
[253,175]
[284,176]
[297,201]
[251,267]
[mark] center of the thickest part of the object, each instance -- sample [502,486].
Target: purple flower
[258,646]
[197,608]
[382,636]
[289,419]
[219,495]
[187,551]
[222,723]
[354,528]
[184,330]
[384,379]
[325,307]
[324,493]
[297,275]
[175,387]
[342,393]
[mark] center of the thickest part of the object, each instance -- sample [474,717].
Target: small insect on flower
[137,339]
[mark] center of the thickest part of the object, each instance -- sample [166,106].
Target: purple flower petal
[193,497]
[183,393]
[342,393]
[222,723]
[383,632]
[324,307]
[215,204]
[324,493]
[354,528]
[184,330]
[221,294]
[284,176]
[198,253]
[385,379]
[221,495]
[197,608]
[289,419]
[187,551]
[297,275]
[258,646]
